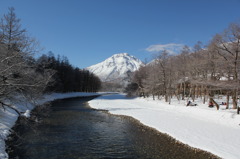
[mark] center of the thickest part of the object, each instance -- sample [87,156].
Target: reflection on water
[75,131]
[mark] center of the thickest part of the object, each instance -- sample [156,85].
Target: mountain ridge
[117,68]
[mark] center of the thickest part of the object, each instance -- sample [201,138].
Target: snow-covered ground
[198,126]
[8,117]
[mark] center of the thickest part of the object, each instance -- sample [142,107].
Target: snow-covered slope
[116,68]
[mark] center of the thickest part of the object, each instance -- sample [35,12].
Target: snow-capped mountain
[116,68]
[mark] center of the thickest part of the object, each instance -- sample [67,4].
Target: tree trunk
[198,90]
[184,91]
[213,101]
[227,103]
[194,92]
[234,98]
[211,95]
[204,94]
[204,99]
[169,99]
[166,97]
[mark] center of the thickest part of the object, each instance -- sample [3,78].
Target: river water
[72,130]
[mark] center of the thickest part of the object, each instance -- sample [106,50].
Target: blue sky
[89,31]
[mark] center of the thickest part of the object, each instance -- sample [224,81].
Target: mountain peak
[115,68]
[121,54]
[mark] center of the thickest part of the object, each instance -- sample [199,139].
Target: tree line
[203,71]
[67,78]
[22,77]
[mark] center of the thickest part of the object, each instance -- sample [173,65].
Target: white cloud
[172,48]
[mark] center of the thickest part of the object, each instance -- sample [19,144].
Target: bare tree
[183,66]
[14,36]
[164,73]
[19,79]
[227,45]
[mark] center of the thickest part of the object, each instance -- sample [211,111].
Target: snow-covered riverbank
[8,117]
[198,126]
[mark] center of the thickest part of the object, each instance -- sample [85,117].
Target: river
[70,129]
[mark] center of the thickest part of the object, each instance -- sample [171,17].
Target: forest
[25,77]
[201,71]
[66,77]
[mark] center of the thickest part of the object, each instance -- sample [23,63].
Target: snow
[27,113]
[115,67]
[8,117]
[198,126]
